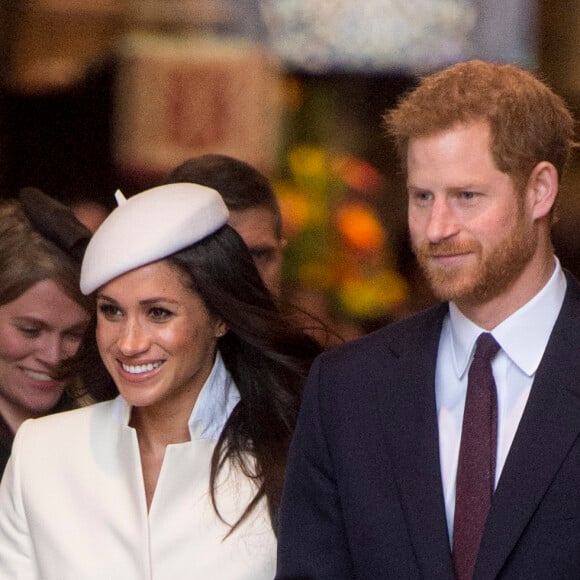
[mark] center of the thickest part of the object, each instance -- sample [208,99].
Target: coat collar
[411,437]
[215,403]
[549,427]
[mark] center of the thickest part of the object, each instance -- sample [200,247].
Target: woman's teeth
[37,376]
[137,369]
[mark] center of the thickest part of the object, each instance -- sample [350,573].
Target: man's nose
[442,222]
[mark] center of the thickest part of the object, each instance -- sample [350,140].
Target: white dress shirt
[523,337]
[73,507]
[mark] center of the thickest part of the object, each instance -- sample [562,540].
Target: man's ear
[542,189]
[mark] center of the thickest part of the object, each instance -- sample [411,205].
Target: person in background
[447,445]
[179,473]
[255,214]
[254,209]
[89,212]
[43,314]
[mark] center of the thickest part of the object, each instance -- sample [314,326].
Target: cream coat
[72,502]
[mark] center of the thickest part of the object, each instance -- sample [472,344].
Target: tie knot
[486,347]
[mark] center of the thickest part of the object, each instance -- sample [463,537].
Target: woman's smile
[155,332]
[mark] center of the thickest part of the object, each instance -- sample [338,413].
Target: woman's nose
[51,350]
[132,338]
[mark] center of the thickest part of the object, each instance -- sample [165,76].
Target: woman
[43,314]
[180,475]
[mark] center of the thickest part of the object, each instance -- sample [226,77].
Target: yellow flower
[375,296]
[295,208]
[316,275]
[307,161]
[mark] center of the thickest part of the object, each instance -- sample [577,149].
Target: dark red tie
[476,468]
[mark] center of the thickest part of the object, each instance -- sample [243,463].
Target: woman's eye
[160,314]
[108,310]
[74,337]
[29,332]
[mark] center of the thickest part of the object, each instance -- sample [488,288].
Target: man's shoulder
[394,337]
[572,285]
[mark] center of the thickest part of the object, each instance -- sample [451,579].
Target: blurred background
[104,94]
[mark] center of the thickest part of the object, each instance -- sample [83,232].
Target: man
[254,210]
[373,488]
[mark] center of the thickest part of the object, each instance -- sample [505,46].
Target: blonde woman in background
[43,314]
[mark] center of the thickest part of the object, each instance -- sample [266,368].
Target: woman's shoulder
[66,423]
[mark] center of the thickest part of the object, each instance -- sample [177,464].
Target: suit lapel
[549,427]
[412,441]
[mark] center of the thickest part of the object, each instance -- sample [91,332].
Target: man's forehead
[254,223]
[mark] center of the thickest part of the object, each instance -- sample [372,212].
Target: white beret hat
[150,226]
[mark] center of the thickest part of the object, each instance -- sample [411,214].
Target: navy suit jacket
[363,495]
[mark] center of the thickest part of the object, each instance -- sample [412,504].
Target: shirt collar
[215,403]
[523,336]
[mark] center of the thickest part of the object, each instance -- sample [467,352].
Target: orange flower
[360,228]
[358,174]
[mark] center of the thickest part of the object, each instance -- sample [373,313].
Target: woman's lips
[139,371]
[141,368]
[42,380]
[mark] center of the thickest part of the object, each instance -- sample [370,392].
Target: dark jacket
[363,496]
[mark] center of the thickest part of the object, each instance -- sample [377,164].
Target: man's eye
[262,255]
[421,196]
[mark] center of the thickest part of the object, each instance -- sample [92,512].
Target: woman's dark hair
[266,354]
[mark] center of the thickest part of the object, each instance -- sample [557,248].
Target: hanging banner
[181,97]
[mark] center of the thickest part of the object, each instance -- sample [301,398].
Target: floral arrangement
[337,243]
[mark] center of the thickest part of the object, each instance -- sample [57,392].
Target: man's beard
[486,277]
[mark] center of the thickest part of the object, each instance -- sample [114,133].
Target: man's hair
[529,123]
[242,186]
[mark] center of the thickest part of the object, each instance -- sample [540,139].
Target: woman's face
[156,337]
[38,330]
